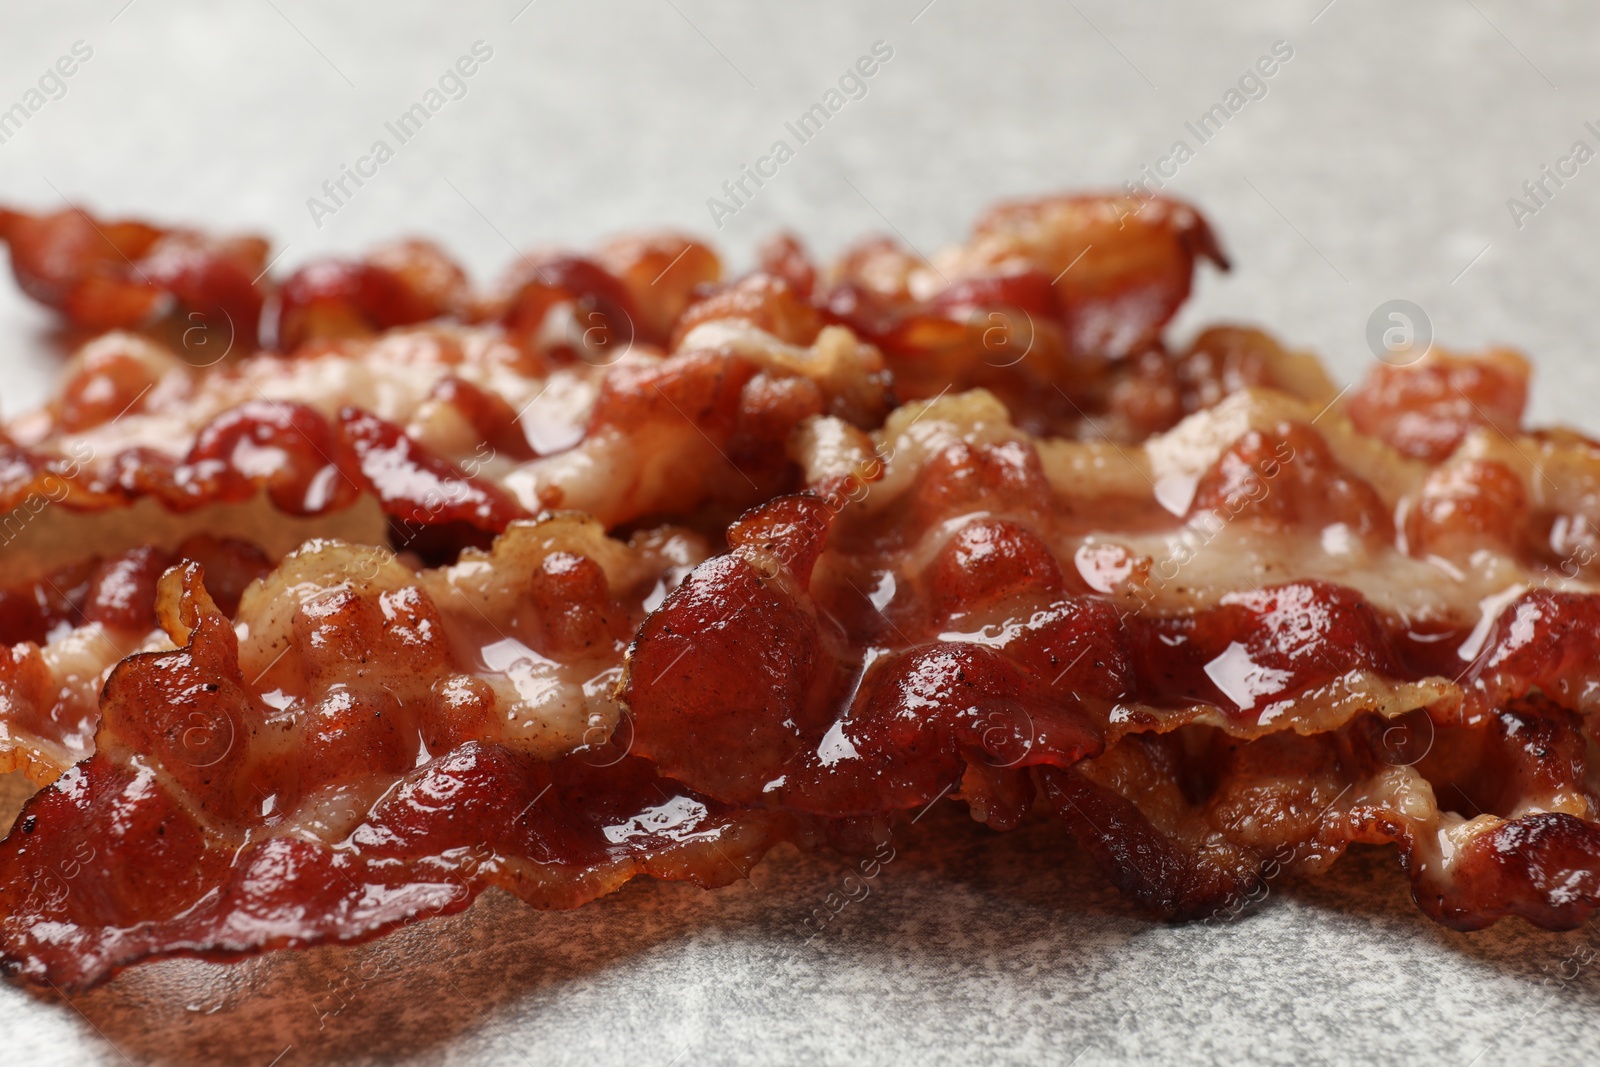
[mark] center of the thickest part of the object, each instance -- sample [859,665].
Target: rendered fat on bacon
[1234,649]
[422,426]
[69,628]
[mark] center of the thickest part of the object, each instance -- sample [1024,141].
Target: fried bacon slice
[217,294]
[532,634]
[399,284]
[81,904]
[568,307]
[629,384]
[103,274]
[359,746]
[1207,652]
[1057,306]
[442,426]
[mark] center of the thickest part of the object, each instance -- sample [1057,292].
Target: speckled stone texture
[1377,166]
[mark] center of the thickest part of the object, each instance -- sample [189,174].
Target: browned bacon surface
[1426,411]
[443,425]
[398,285]
[558,834]
[302,462]
[629,383]
[649,435]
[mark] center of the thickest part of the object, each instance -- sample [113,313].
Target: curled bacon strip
[80,905]
[951,612]
[1057,305]
[111,275]
[537,685]
[1123,265]
[1491,822]
[797,722]
[398,285]
[306,465]
[953,622]
[605,424]
[377,746]
[459,427]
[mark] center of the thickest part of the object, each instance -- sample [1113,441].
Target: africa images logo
[852,85]
[452,85]
[51,85]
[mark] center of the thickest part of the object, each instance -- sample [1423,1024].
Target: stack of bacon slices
[331,601]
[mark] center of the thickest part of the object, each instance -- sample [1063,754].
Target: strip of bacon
[360,746]
[1057,306]
[401,284]
[955,621]
[541,683]
[568,307]
[646,436]
[1209,646]
[443,427]
[212,291]
[1491,821]
[566,401]
[116,275]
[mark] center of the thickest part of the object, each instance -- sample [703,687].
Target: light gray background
[1378,166]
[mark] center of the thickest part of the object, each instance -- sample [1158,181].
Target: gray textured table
[1376,164]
